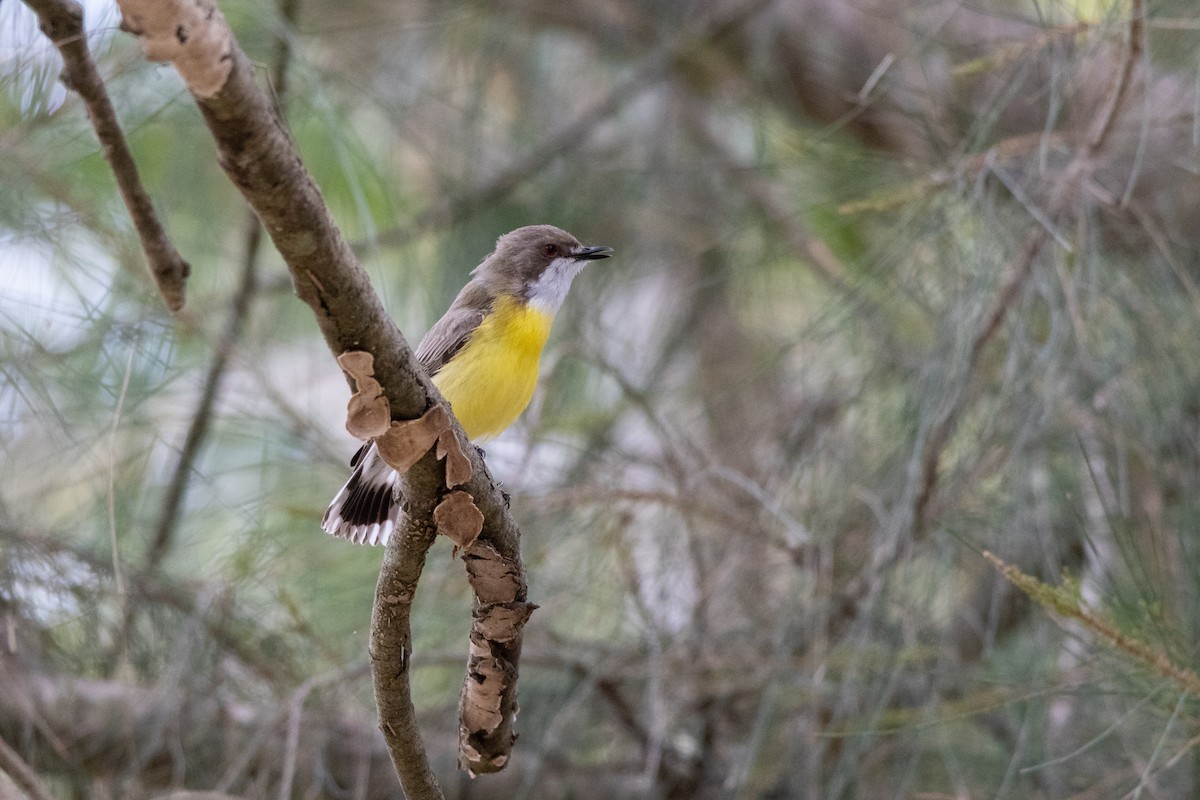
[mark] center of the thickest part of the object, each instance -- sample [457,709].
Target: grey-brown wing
[447,337]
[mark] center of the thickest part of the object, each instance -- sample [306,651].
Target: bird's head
[537,263]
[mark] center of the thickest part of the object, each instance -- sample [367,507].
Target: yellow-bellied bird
[483,357]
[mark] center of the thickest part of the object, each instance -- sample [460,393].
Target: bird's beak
[592,253]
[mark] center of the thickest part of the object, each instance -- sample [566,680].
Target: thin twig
[940,435]
[168,518]
[1067,603]
[296,715]
[62,22]
[111,507]
[765,196]
[1103,124]
[16,768]
[658,65]
[1075,177]
[496,188]
[235,637]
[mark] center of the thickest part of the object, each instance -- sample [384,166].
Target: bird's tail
[366,508]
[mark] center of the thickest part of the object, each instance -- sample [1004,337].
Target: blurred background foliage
[897,283]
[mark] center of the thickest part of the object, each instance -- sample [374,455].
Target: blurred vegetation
[888,294]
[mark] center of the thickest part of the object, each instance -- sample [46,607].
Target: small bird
[483,357]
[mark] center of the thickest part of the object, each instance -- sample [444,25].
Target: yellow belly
[490,381]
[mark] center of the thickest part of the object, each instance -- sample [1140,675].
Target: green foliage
[1066,600]
[824,372]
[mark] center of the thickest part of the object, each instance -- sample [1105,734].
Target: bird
[482,355]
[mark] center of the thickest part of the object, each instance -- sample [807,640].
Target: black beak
[592,253]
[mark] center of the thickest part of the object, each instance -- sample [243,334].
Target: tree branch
[941,433]
[657,65]
[110,728]
[62,23]
[168,518]
[1075,176]
[391,650]
[239,637]
[12,765]
[259,158]
[247,290]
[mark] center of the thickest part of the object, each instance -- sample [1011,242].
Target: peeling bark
[257,155]
[488,704]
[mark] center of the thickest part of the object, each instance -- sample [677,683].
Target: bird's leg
[483,457]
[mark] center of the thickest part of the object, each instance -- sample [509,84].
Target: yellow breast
[490,381]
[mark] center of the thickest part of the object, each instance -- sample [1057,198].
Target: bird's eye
[551,249]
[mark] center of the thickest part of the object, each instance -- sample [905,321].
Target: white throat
[548,293]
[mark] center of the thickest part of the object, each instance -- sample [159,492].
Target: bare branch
[243,297]
[765,197]
[296,713]
[1103,124]
[1076,175]
[168,518]
[12,765]
[941,433]
[391,651]
[69,724]
[656,66]
[259,158]
[62,22]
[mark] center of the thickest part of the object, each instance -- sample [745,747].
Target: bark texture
[259,158]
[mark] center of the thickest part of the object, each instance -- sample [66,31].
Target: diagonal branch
[12,765]
[941,433]
[260,159]
[663,61]
[62,23]
[1102,125]
[177,486]
[168,518]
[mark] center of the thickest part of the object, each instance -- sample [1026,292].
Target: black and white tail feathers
[366,508]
